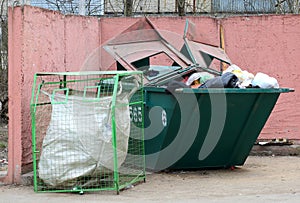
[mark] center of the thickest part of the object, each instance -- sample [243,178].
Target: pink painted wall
[41,40]
[51,42]
[270,44]
[15,78]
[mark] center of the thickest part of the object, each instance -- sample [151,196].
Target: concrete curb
[284,150]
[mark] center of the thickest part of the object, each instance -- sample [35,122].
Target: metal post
[81,7]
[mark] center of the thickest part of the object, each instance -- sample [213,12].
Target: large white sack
[78,141]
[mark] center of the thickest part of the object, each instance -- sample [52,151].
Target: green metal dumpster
[204,128]
[189,128]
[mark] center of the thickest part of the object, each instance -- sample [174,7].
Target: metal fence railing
[255,6]
[108,7]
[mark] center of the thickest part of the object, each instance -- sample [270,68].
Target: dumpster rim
[222,90]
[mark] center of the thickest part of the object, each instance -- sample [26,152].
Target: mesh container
[87,131]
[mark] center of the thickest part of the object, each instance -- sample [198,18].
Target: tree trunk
[181,5]
[128,8]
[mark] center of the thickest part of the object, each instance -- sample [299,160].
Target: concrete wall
[41,40]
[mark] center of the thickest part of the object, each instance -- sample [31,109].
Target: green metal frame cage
[87,131]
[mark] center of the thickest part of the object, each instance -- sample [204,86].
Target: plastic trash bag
[245,78]
[264,81]
[201,76]
[78,141]
[227,80]
[232,68]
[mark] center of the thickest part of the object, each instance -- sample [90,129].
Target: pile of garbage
[232,77]
[135,47]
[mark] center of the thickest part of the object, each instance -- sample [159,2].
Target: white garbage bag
[202,76]
[78,141]
[245,78]
[232,68]
[264,81]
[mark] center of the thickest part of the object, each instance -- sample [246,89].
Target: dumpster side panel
[237,113]
[156,128]
[218,130]
[256,120]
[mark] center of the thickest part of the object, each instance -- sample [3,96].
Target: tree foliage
[3,63]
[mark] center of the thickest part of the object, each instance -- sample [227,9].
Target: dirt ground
[261,179]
